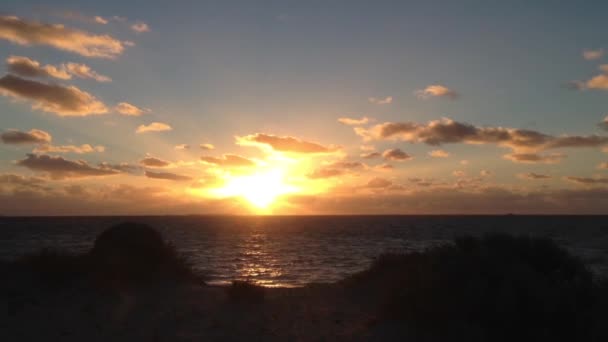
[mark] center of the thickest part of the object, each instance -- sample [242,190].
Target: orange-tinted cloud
[206,147]
[229,160]
[34,136]
[28,67]
[154,127]
[381,101]
[285,144]
[439,154]
[140,27]
[354,122]
[84,148]
[378,182]
[436,90]
[52,98]
[167,176]
[590,54]
[128,109]
[23,32]
[587,180]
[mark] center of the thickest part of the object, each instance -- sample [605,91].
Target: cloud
[27,67]
[396,155]
[154,162]
[354,122]
[34,136]
[532,158]
[206,147]
[22,32]
[60,168]
[485,173]
[153,127]
[459,173]
[533,176]
[604,124]
[85,148]
[590,55]
[285,144]
[21,181]
[84,71]
[603,166]
[125,108]
[229,160]
[140,27]
[52,98]
[587,180]
[447,131]
[439,154]
[436,90]
[167,176]
[378,183]
[322,173]
[336,168]
[182,147]
[381,101]
[100,20]
[371,155]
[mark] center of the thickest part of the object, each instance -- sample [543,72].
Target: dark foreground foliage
[124,256]
[495,288]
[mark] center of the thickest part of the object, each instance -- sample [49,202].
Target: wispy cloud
[587,180]
[52,98]
[533,176]
[23,32]
[167,176]
[436,90]
[126,108]
[140,27]
[206,147]
[28,67]
[285,144]
[380,100]
[154,162]
[533,158]
[84,148]
[590,54]
[439,154]
[354,122]
[154,127]
[229,160]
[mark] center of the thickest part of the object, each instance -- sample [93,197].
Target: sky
[303,107]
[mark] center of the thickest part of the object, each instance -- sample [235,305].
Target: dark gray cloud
[447,131]
[34,136]
[396,154]
[59,168]
[52,98]
[587,180]
[532,176]
[154,162]
[167,176]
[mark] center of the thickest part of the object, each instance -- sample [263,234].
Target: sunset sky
[303,107]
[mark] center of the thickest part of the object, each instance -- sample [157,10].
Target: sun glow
[260,189]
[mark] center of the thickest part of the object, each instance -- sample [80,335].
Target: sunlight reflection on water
[293,251]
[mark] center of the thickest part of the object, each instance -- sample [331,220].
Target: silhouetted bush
[133,253]
[125,255]
[495,288]
[245,292]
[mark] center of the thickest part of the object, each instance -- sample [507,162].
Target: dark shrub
[133,253]
[495,288]
[52,268]
[245,292]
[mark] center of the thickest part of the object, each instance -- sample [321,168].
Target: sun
[261,189]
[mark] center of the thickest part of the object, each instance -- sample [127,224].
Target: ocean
[295,250]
